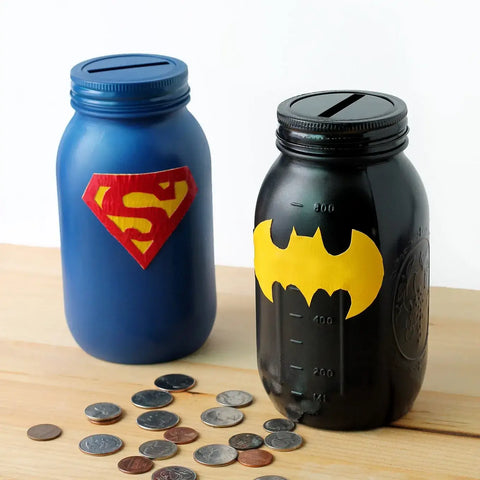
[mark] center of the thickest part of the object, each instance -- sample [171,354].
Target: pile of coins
[242,447]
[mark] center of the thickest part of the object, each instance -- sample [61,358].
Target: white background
[244,58]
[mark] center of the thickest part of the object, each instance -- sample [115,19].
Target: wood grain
[46,378]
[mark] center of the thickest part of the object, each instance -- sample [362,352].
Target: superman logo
[141,210]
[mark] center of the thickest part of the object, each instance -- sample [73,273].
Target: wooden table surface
[46,378]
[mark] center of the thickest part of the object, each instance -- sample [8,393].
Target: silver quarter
[175,382]
[174,472]
[158,449]
[283,441]
[157,420]
[103,411]
[279,425]
[215,455]
[222,417]
[234,398]
[102,444]
[245,441]
[270,477]
[152,399]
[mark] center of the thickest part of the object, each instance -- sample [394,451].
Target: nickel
[222,417]
[158,449]
[135,464]
[101,444]
[270,477]
[283,441]
[245,441]
[152,399]
[44,431]
[215,455]
[175,382]
[234,398]
[174,473]
[157,420]
[279,425]
[181,435]
[103,412]
[255,458]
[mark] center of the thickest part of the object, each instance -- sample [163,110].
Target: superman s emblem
[141,210]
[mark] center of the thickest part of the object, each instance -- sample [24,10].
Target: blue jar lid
[129,85]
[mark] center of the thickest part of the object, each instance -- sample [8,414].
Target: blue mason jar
[135,205]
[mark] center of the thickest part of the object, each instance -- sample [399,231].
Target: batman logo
[306,264]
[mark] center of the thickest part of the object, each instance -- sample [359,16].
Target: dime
[279,425]
[44,431]
[283,441]
[222,417]
[245,441]
[175,382]
[103,412]
[215,455]
[158,449]
[234,398]
[255,458]
[174,473]
[135,464]
[270,477]
[181,435]
[102,444]
[152,399]
[157,420]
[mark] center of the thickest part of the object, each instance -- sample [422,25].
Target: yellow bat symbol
[306,264]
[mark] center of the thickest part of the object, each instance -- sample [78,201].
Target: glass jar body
[342,289]
[116,309]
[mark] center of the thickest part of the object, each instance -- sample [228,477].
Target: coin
[245,441]
[283,441]
[222,417]
[158,449]
[174,473]
[270,477]
[234,398]
[279,425]
[215,455]
[152,399]
[100,444]
[44,431]
[175,382]
[181,435]
[103,412]
[157,420]
[135,464]
[255,458]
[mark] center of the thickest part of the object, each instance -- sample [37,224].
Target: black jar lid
[342,123]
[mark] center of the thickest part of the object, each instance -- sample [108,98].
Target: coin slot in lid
[346,102]
[125,67]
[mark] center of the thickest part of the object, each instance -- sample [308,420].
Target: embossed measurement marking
[296,367]
[297,394]
[296,204]
[296,315]
[293,340]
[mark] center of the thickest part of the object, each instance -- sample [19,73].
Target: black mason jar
[342,263]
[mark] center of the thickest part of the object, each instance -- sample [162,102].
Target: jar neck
[88,104]
[337,150]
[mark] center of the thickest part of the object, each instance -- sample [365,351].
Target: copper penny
[181,435]
[44,431]
[105,422]
[255,458]
[135,464]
